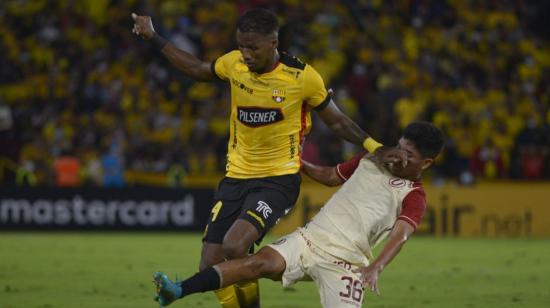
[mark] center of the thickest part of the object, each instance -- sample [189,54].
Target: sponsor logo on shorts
[264,209]
[279,241]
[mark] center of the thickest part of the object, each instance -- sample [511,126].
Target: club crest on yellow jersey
[278,95]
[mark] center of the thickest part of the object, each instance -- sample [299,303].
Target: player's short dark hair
[427,138]
[258,20]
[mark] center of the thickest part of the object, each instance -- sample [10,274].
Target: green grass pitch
[55,270]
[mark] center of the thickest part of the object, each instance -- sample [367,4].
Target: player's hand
[143,26]
[391,155]
[369,277]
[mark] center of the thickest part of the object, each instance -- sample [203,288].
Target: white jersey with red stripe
[364,210]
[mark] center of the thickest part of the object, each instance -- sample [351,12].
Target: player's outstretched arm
[322,174]
[183,61]
[399,235]
[341,124]
[347,129]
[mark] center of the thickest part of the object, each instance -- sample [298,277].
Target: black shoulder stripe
[324,104]
[213,70]
[291,61]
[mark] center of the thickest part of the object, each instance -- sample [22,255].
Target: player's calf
[257,266]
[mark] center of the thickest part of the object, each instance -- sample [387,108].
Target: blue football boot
[167,291]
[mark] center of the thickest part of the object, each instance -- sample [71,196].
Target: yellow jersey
[270,114]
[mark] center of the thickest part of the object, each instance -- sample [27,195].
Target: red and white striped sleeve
[414,206]
[346,169]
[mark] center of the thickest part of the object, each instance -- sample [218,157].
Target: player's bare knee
[204,264]
[273,264]
[235,249]
[211,257]
[259,265]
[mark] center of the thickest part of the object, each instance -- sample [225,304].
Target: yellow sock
[248,294]
[228,297]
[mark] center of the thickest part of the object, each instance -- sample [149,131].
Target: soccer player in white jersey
[378,199]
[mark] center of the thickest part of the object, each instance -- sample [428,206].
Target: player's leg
[248,292]
[212,254]
[237,244]
[235,236]
[266,263]
[224,213]
[268,200]
[239,238]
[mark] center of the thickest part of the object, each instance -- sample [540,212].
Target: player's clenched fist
[143,26]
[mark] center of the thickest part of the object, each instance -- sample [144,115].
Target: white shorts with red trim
[338,286]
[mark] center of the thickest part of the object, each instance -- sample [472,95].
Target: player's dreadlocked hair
[427,138]
[258,20]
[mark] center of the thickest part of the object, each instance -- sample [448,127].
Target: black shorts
[260,201]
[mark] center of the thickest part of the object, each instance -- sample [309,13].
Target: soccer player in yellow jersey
[272,94]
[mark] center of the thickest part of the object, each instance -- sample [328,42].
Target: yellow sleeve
[315,93]
[221,67]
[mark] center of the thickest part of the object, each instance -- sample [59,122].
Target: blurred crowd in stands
[85,102]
